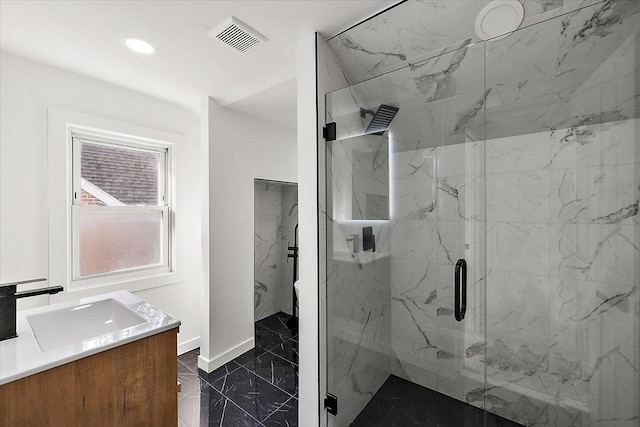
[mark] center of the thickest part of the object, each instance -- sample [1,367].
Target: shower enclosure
[520,156]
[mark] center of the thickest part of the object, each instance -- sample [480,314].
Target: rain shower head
[381,118]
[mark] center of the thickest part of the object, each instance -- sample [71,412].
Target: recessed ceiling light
[140,46]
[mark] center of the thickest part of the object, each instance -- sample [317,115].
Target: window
[121,211]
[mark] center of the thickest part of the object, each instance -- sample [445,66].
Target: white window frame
[63,125]
[165,155]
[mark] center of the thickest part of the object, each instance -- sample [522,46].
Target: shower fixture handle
[460,290]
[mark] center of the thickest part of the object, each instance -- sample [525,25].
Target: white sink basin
[73,325]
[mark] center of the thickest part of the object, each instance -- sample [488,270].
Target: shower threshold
[401,403]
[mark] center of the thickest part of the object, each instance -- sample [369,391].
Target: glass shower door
[400,350]
[563,184]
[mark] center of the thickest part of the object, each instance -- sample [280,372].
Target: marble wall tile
[536,7]
[520,360]
[581,310]
[460,159]
[413,362]
[416,128]
[568,196]
[516,404]
[517,301]
[591,34]
[414,200]
[274,219]
[612,371]
[606,92]
[464,117]
[414,241]
[522,66]
[413,321]
[573,5]
[445,76]
[599,253]
[288,221]
[267,251]
[518,247]
[525,153]
[518,197]
[523,117]
[369,49]
[415,30]
[459,198]
[425,26]
[459,362]
[611,143]
[360,336]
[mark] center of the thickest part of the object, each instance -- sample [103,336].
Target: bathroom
[510,165]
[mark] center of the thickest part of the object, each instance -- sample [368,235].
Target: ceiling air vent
[238,35]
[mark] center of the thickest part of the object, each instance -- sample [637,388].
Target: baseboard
[209,365]
[188,345]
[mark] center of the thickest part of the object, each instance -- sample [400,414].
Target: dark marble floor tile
[285,416]
[210,408]
[249,355]
[401,403]
[278,323]
[268,339]
[190,381]
[190,359]
[219,373]
[251,393]
[278,371]
[287,350]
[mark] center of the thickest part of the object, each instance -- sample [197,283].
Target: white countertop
[22,356]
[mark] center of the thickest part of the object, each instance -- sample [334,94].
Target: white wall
[27,90]
[308,410]
[239,149]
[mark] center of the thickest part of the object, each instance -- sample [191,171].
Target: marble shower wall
[288,221]
[419,29]
[546,140]
[438,200]
[359,318]
[563,282]
[562,191]
[276,212]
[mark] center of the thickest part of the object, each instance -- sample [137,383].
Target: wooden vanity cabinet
[130,385]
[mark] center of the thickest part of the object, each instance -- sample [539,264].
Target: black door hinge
[331,404]
[329,132]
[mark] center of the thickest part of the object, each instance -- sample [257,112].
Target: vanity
[108,360]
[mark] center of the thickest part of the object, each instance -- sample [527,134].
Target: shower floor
[401,403]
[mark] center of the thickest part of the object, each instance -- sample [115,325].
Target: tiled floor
[257,389]
[400,403]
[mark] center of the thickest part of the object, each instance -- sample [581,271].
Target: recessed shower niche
[275,237]
[361,177]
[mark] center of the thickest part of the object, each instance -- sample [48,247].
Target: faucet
[355,238]
[8,303]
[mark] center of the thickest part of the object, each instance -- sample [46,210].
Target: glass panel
[391,327]
[361,178]
[563,184]
[119,240]
[118,176]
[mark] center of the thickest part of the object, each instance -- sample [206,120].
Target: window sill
[112,284]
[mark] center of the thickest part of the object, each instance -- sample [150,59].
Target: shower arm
[364,112]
